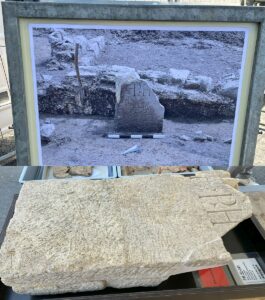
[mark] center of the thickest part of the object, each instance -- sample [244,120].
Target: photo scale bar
[135,136]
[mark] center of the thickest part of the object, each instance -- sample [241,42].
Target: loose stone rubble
[179,91]
[136,231]
[65,172]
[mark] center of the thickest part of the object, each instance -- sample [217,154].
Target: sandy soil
[80,141]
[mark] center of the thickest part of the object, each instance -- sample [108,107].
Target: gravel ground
[80,141]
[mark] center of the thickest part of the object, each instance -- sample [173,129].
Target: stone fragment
[155,76]
[132,170]
[46,130]
[210,138]
[86,235]
[124,77]
[63,47]
[228,141]
[229,86]
[185,138]
[172,169]
[202,83]
[60,172]
[133,149]
[179,76]
[200,138]
[139,109]
[80,171]
[101,85]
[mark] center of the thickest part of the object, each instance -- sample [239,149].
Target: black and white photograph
[136,95]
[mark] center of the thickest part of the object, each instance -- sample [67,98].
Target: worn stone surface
[201,83]
[61,172]
[80,171]
[139,109]
[64,172]
[86,235]
[47,129]
[179,91]
[63,49]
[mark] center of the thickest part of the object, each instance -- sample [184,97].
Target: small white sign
[249,270]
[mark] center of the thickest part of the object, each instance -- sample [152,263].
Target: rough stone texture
[179,76]
[229,88]
[201,83]
[124,232]
[61,172]
[64,172]
[179,91]
[46,129]
[63,49]
[80,171]
[139,109]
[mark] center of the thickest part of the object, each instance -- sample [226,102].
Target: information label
[249,270]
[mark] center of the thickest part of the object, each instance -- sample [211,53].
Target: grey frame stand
[13,10]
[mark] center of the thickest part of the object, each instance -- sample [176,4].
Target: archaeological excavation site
[125,96]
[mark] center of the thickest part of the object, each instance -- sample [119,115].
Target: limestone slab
[81,235]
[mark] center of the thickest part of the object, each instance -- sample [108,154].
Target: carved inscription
[139,109]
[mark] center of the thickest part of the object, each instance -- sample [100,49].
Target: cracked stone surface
[135,231]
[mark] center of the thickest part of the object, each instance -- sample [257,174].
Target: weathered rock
[210,138]
[185,138]
[139,109]
[228,141]
[200,138]
[172,169]
[86,235]
[179,76]
[80,171]
[179,102]
[201,83]
[132,170]
[47,130]
[102,89]
[60,172]
[63,47]
[155,76]
[228,86]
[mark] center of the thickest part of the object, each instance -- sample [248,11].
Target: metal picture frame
[14,12]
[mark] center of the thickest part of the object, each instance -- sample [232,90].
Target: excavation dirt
[81,141]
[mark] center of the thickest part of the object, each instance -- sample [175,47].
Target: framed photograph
[135,85]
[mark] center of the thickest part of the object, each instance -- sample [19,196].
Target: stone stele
[138,108]
[81,235]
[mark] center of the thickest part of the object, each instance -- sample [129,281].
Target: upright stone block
[138,108]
